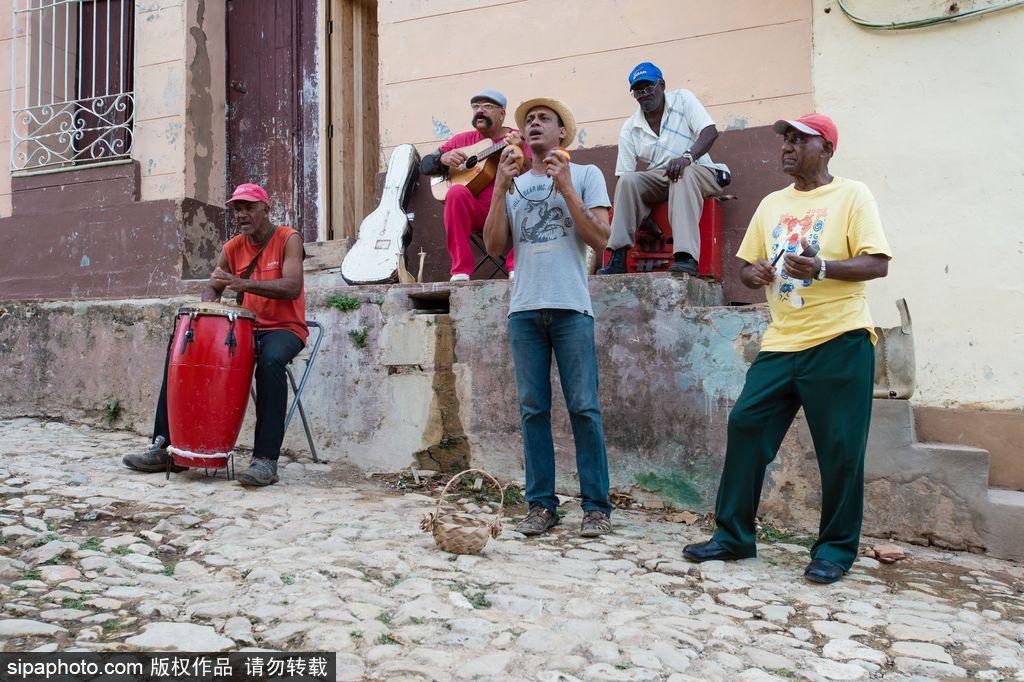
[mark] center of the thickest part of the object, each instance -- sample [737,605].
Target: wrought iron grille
[72,70]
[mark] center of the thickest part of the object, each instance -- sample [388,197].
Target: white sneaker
[459,278]
[511,275]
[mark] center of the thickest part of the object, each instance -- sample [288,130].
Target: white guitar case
[373,259]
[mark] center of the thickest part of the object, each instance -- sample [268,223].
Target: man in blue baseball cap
[670,133]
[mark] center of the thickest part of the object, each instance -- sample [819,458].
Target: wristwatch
[821,271]
[688,155]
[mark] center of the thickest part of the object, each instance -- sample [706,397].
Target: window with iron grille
[73,98]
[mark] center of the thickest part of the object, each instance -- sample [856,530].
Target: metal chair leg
[297,390]
[302,415]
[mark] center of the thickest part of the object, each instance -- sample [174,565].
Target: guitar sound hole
[471,161]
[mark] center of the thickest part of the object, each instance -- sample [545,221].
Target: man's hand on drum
[221,276]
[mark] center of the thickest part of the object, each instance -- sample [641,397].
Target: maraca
[561,151]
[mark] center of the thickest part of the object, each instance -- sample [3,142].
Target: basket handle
[444,491]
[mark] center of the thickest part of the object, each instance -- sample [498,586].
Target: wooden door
[354,139]
[273,106]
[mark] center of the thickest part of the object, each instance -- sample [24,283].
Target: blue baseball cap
[492,95]
[644,71]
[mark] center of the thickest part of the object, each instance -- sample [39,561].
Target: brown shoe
[539,520]
[595,523]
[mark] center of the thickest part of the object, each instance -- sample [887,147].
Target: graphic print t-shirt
[550,254]
[842,219]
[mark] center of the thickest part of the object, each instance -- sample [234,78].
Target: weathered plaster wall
[205,132]
[925,119]
[429,388]
[581,52]
[6,92]
[160,97]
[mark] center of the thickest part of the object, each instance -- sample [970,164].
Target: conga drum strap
[247,273]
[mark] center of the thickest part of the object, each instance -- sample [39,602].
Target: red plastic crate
[653,252]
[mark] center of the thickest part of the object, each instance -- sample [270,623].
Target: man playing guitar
[464,212]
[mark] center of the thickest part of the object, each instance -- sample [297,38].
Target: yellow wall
[748,61]
[930,120]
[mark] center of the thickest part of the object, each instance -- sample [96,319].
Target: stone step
[1010,499]
[1004,519]
[967,459]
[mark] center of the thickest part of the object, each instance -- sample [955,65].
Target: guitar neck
[493,149]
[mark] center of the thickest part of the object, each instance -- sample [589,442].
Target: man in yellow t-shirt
[817,352]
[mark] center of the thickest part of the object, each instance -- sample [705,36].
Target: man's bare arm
[287,287]
[862,268]
[591,223]
[215,287]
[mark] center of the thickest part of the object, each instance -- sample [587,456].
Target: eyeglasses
[637,94]
[483,106]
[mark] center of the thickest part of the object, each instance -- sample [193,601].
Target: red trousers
[465,213]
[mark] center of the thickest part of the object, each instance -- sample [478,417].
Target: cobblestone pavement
[95,557]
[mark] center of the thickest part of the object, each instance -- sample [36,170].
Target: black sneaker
[539,520]
[152,460]
[262,471]
[617,264]
[685,265]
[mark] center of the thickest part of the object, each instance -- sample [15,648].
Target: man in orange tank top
[263,264]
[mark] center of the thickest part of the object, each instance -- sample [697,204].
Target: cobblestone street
[95,557]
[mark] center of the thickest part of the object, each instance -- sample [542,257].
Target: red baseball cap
[811,124]
[249,192]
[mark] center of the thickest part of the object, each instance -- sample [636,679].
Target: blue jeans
[533,335]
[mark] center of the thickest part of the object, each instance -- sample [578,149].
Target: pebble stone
[94,556]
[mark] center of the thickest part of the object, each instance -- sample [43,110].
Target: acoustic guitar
[382,236]
[477,172]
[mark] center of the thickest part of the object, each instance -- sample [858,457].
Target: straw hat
[568,120]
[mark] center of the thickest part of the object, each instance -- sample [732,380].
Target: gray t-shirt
[550,254]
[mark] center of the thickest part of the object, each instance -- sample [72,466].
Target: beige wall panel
[596,26]
[925,120]
[167,186]
[391,11]
[160,145]
[153,5]
[595,85]
[160,35]
[5,70]
[5,119]
[160,90]
[6,22]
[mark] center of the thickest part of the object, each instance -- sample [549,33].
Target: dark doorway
[273,106]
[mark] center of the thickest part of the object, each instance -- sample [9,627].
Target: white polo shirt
[681,123]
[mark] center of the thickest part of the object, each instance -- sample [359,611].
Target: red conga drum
[213,355]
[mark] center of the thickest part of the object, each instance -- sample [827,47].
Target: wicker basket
[462,533]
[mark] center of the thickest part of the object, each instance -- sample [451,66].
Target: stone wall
[413,375]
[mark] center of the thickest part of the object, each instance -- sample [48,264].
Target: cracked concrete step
[966,460]
[1004,523]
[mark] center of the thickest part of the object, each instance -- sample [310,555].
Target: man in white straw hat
[550,215]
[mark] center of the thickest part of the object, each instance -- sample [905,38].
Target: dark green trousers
[833,382]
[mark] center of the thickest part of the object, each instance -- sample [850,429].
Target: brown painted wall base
[1001,433]
[84,234]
